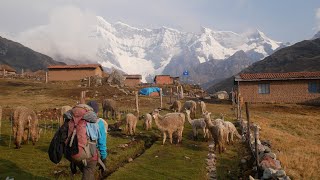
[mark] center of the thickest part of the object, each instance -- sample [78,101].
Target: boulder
[267,173]
[269,162]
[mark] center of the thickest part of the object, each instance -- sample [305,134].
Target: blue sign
[186,73]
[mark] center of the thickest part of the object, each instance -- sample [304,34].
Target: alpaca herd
[25,123]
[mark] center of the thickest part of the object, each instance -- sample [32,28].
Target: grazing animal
[109,105]
[203,107]
[169,123]
[231,130]
[197,124]
[147,124]
[217,132]
[131,123]
[25,125]
[192,106]
[63,110]
[176,106]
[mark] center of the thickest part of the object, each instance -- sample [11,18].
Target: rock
[130,159]
[243,161]
[186,157]
[156,156]
[272,155]
[267,173]
[280,173]
[268,162]
[267,149]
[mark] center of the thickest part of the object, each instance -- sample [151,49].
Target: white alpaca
[147,124]
[197,124]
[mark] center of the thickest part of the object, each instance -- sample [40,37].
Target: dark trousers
[88,171]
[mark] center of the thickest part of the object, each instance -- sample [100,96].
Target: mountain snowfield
[149,51]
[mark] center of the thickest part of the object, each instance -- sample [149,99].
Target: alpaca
[176,106]
[169,123]
[25,124]
[217,132]
[109,105]
[63,110]
[192,106]
[231,130]
[131,123]
[147,124]
[203,107]
[197,124]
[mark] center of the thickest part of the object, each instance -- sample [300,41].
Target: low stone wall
[268,166]
[211,163]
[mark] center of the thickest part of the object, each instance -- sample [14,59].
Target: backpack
[79,147]
[57,144]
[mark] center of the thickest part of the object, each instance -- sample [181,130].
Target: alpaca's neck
[189,118]
[208,122]
[157,120]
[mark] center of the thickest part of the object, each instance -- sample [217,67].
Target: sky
[281,20]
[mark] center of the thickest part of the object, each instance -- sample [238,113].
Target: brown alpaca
[25,125]
[176,106]
[217,132]
[169,123]
[109,105]
[192,106]
[131,123]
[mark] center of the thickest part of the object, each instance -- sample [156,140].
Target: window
[314,87]
[264,88]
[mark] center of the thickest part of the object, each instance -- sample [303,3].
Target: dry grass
[294,131]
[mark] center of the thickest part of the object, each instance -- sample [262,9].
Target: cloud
[66,36]
[318,19]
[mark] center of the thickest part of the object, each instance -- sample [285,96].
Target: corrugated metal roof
[277,76]
[76,66]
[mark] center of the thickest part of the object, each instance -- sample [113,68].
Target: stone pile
[268,163]
[211,163]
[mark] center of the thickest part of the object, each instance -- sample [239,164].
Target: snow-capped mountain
[155,51]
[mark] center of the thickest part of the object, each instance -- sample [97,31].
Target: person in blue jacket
[101,136]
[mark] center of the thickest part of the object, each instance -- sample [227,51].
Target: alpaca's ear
[209,113]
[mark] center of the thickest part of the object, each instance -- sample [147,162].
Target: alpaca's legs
[194,133]
[231,137]
[164,138]
[170,136]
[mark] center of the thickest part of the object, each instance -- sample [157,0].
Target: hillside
[302,56]
[20,57]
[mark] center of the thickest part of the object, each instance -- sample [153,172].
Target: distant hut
[7,70]
[73,72]
[132,80]
[163,79]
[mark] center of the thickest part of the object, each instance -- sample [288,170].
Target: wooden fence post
[256,138]
[137,103]
[170,95]
[248,120]
[177,87]
[83,97]
[182,95]
[46,77]
[89,81]
[160,97]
